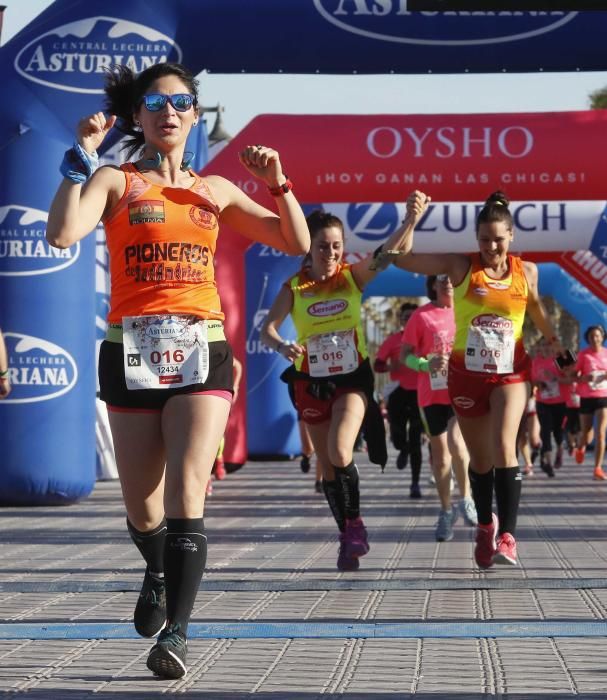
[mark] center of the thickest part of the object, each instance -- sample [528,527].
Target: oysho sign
[73,56]
[39,370]
[24,250]
[390,20]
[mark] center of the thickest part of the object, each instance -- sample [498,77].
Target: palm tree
[598,99]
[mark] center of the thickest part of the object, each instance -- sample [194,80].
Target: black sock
[416,465]
[336,502]
[347,479]
[151,545]
[508,484]
[482,492]
[185,556]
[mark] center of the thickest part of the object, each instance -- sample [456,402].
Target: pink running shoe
[506,550]
[355,538]
[599,474]
[485,543]
[345,562]
[220,470]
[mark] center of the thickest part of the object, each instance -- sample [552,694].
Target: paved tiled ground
[418,612]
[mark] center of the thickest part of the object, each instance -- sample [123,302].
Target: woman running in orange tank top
[165,368]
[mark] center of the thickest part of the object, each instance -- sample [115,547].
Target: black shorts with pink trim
[470,392]
[114,391]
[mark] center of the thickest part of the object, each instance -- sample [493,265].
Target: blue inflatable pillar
[271,419]
[48,318]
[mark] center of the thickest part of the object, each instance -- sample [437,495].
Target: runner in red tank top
[165,368]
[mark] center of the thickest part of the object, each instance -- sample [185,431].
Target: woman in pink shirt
[592,387]
[427,343]
[403,413]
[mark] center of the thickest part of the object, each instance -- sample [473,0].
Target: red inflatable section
[381,158]
[583,265]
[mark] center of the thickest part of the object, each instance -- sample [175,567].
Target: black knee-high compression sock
[482,492]
[347,479]
[336,502]
[508,484]
[416,464]
[151,546]
[185,556]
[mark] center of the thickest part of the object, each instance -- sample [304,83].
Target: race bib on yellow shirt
[332,353]
[490,345]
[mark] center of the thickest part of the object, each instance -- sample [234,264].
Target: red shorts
[469,392]
[313,410]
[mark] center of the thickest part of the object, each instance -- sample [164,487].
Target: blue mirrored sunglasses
[155,102]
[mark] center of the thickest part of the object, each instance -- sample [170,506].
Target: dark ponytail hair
[495,210]
[124,91]
[319,219]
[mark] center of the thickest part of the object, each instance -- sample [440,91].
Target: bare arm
[270,336]
[400,240]
[77,209]
[237,376]
[5,382]
[453,264]
[286,231]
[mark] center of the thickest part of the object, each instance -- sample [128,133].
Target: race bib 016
[164,351]
[490,345]
[332,353]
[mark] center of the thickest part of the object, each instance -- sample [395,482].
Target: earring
[137,123]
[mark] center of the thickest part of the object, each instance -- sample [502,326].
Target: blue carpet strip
[317,630]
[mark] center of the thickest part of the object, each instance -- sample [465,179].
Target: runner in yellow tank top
[166,328]
[488,377]
[332,376]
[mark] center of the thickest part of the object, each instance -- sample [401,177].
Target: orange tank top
[481,301]
[161,241]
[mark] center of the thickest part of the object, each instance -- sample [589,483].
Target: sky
[245,96]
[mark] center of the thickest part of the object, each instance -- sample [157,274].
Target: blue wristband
[78,165]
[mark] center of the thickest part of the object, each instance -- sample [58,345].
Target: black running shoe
[318,486]
[547,468]
[151,610]
[305,464]
[415,491]
[401,460]
[168,656]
